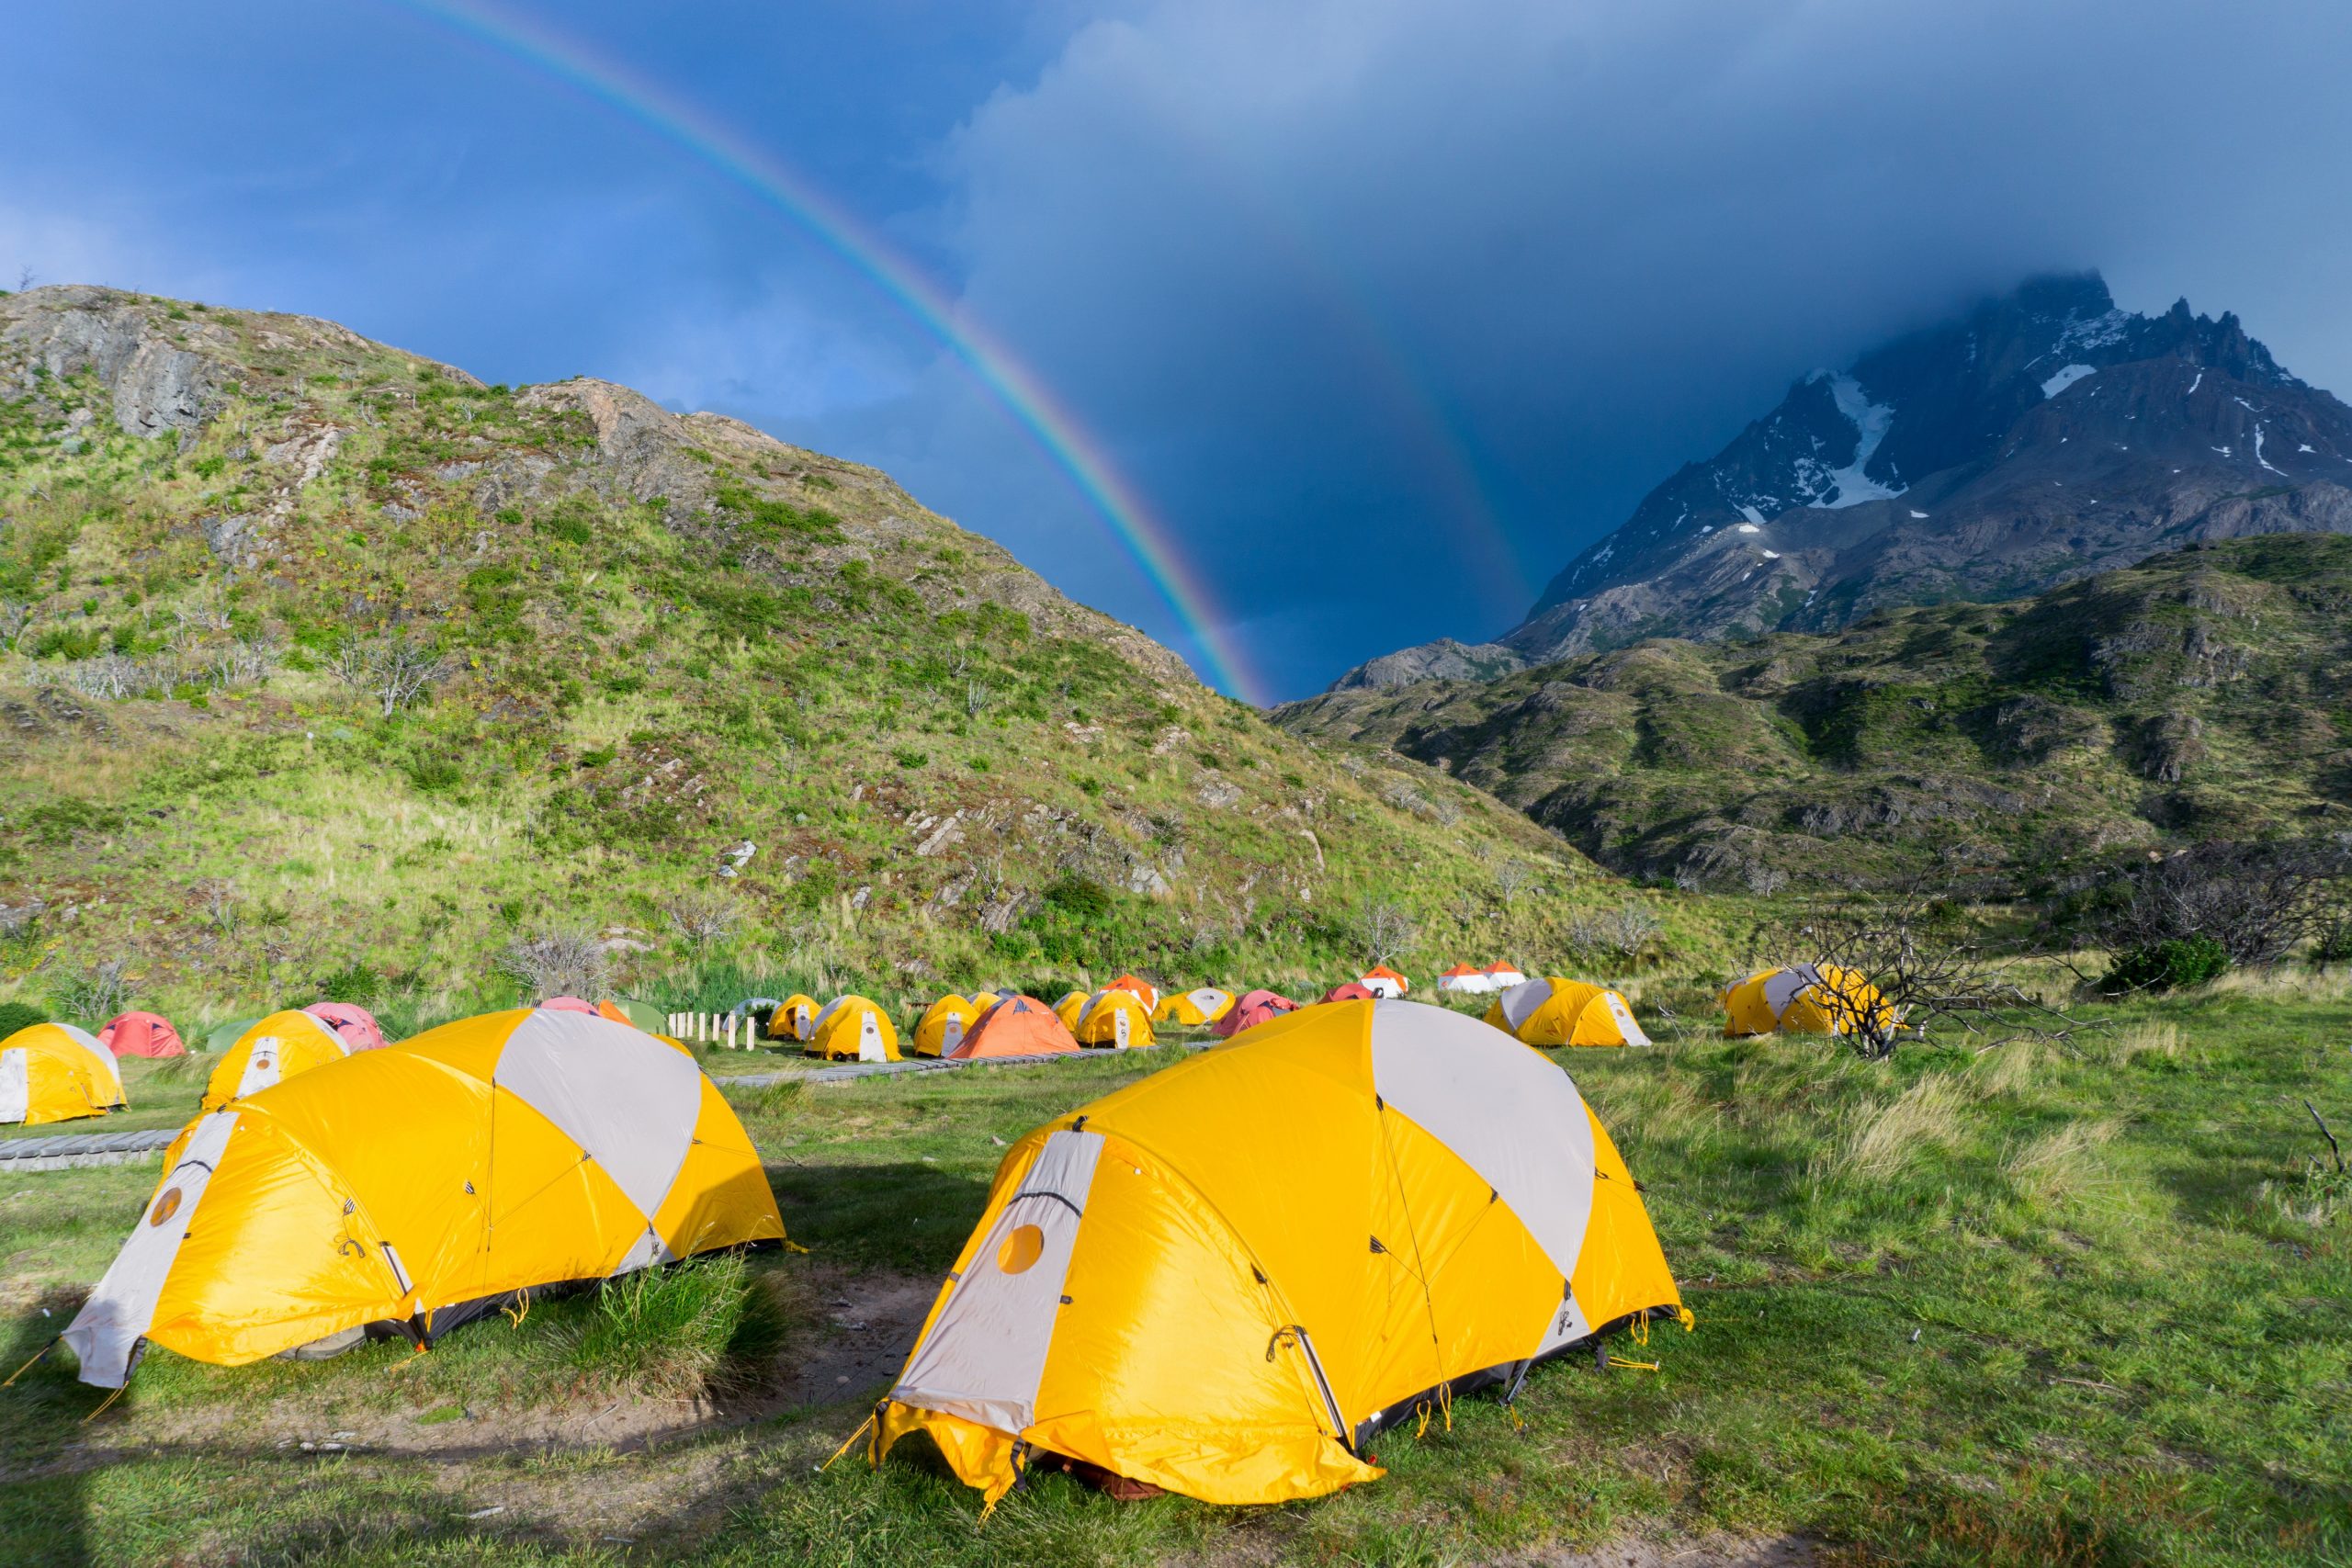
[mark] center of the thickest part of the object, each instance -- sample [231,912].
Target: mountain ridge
[2199,693]
[2039,436]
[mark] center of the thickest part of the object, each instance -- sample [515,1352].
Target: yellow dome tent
[943,1026]
[55,1072]
[983,1000]
[795,1018]
[1804,999]
[1555,1011]
[1196,1008]
[1068,1009]
[270,1051]
[1174,1284]
[855,1028]
[1113,1017]
[530,1148]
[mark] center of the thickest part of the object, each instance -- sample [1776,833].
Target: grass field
[2024,1306]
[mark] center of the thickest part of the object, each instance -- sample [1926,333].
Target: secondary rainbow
[1056,432]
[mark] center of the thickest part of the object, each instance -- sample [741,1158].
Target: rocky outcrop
[1444,660]
[156,384]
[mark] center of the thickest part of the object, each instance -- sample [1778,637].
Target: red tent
[1253,1009]
[142,1034]
[1353,991]
[354,1023]
[567,1004]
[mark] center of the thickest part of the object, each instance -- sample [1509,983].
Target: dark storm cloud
[1392,307]
[1388,309]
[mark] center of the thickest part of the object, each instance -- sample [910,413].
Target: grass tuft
[694,1328]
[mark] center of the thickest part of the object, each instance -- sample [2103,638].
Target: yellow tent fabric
[269,1052]
[1195,1008]
[1113,1017]
[983,1000]
[795,1018]
[1803,999]
[944,1023]
[56,1072]
[1068,1009]
[855,1028]
[1228,1279]
[1556,1011]
[525,1149]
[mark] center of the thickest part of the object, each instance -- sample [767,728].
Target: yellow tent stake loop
[1423,1430]
[1640,1335]
[852,1438]
[516,1316]
[791,1245]
[1445,1404]
[1690,1320]
[1633,1366]
[108,1401]
[37,1355]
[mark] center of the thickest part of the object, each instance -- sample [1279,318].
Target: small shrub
[2177,963]
[1079,896]
[20,1015]
[355,982]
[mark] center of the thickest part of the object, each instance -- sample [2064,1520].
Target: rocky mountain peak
[2024,441]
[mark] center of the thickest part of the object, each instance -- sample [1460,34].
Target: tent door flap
[985,1356]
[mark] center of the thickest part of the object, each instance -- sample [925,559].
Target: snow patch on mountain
[2066,378]
[1835,488]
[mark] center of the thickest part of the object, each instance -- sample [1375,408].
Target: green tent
[225,1035]
[645,1015]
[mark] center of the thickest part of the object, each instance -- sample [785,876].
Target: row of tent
[58,1072]
[54,1072]
[1229,1280]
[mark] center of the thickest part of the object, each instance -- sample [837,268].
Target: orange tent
[1385,983]
[1143,988]
[1253,1009]
[1015,1026]
[142,1034]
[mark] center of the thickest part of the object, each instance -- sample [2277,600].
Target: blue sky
[1386,308]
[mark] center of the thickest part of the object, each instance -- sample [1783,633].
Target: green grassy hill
[2201,694]
[319,660]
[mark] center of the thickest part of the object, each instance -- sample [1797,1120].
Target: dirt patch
[853,1336]
[867,1324]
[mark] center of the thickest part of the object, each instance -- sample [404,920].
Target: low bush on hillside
[2177,963]
[20,1015]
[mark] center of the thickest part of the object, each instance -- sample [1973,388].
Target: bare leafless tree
[2258,900]
[1512,877]
[240,663]
[1465,908]
[14,616]
[1624,932]
[17,920]
[1387,928]
[396,669]
[97,994]
[568,961]
[1887,968]
[703,918]
[977,696]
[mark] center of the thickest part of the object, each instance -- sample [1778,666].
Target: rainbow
[1056,431]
